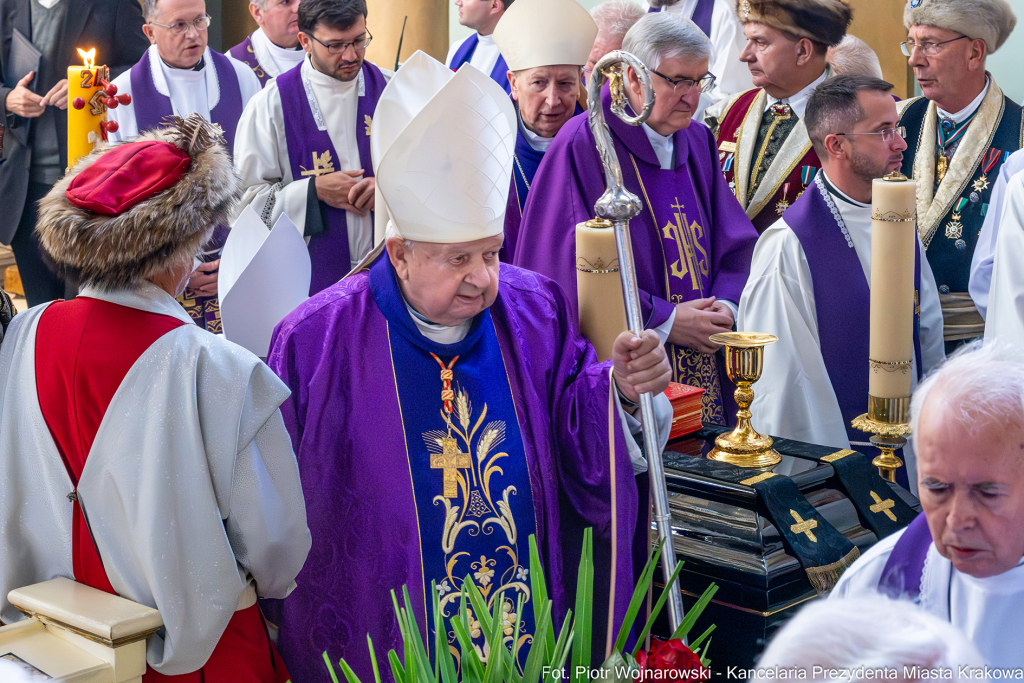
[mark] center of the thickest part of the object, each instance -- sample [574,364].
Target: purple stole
[701,15]
[243,52]
[328,250]
[674,224]
[151,108]
[901,576]
[842,301]
[499,74]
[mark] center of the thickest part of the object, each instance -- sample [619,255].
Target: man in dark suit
[34,151]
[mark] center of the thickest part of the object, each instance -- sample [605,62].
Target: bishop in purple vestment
[692,242]
[444,407]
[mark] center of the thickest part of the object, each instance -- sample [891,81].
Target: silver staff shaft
[618,205]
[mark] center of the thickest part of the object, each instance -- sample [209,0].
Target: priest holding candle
[809,280]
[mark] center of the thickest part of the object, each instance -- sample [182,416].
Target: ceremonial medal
[960,244]
[982,183]
[782,205]
[955,229]
[975,198]
[941,166]
[780,110]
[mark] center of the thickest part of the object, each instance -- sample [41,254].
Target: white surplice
[728,41]
[191,488]
[189,91]
[275,59]
[989,611]
[1005,319]
[794,398]
[262,161]
[985,250]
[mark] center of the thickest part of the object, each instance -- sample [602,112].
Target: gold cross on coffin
[882,506]
[322,165]
[804,526]
[451,461]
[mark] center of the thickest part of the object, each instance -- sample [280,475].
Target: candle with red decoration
[91,94]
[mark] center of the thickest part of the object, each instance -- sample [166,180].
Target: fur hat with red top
[129,211]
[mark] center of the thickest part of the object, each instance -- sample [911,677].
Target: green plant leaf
[695,645]
[330,667]
[705,660]
[496,658]
[539,650]
[540,596]
[584,608]
[396,667]
[639,596]
[656,610]
[561,652]
[373,659]
[350,675]
[472,667]
[691,617]
[419,649]
[619,668]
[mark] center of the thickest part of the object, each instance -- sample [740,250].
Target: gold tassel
[824,578]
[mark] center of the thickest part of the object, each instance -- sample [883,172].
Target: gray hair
[262,4]
[833,107]
[149,12]
[852,56]
[978,385]
[616,17]
[664,35]
[846,635]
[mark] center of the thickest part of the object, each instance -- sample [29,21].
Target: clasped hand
[23,102]
[640,365]
[697,320]
[346,190]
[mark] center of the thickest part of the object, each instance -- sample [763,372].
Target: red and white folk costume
[140,454]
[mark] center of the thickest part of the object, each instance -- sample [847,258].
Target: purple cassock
[151,110]
[701,16]
[309,142]
[397,437]
[692,240]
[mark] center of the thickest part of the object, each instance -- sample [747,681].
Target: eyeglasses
[886,133]
[338,48]
[929,49]
[682,86]
[181,27]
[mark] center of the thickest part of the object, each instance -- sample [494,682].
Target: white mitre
[534,33]
[444,175]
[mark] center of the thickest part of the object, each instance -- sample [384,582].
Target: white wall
[457,32]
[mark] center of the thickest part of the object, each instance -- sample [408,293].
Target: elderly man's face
[972,490]
[944,75]
[603,44]
[674,105]
[547,96]
[448,283]
[772,58]
[180,50]
[280,21]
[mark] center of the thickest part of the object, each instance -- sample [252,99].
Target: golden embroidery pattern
[686,236]
[322,165]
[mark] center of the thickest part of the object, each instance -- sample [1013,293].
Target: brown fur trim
[823,21]
[119,251]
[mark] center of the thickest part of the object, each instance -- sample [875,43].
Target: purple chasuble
[687,245]
[151,108]
[244,53]
[901,576]
[308,144]
[842,303]
[499,74]
[346,422]
[701,15]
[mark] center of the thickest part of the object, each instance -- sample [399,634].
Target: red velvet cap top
[126,175]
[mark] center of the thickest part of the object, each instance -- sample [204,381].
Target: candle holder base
[888,437]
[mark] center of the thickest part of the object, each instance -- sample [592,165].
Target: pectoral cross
[451,461]
[322,165]
[882,506]
[804,527]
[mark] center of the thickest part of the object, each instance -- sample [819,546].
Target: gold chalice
[744,359]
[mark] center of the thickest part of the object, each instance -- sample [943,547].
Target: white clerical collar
[283,58]
[1007,583]
[664,147]
[161,73]
[439,334]
[322,80]
[835,191]
[964,113]
[538,143]
[48,4]
[798,102]
[486,41]
[144,297]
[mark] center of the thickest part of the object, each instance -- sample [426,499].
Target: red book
[686,402]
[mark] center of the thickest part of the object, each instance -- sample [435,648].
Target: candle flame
[88,58]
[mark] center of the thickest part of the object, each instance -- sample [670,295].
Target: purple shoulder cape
[346,426]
